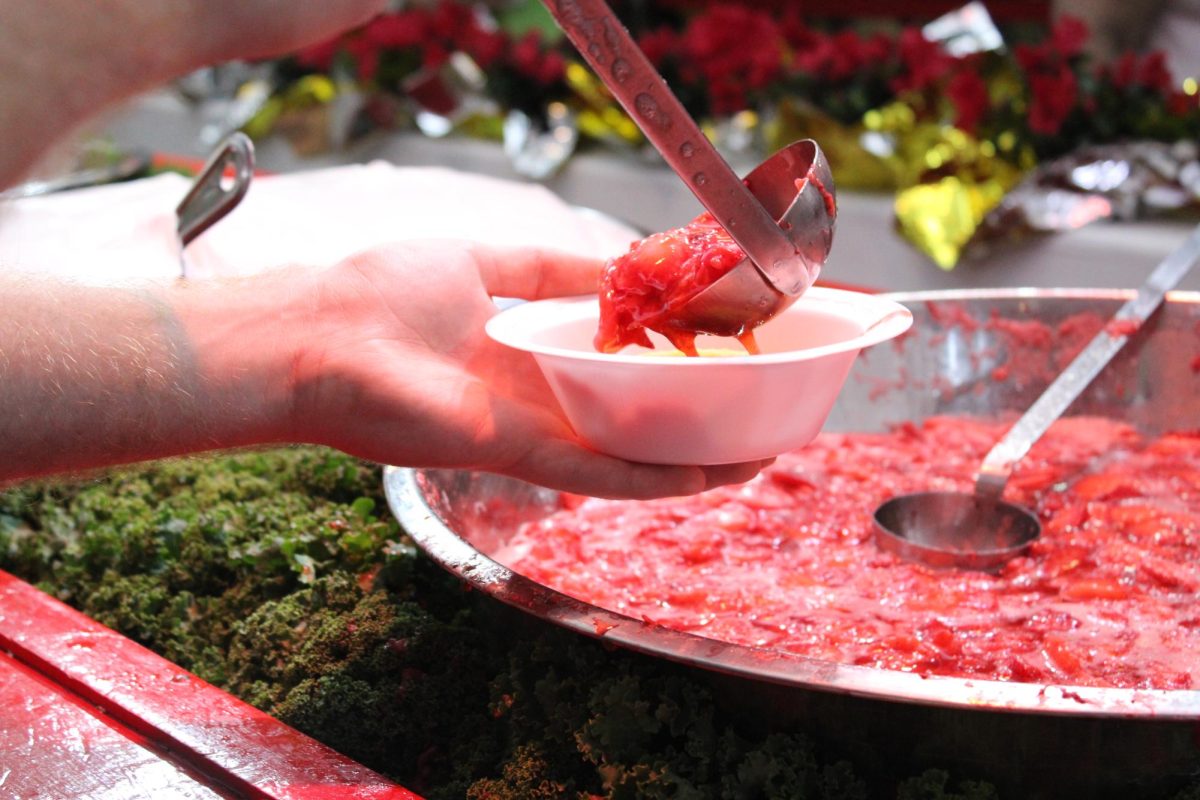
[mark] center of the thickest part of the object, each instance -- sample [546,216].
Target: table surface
[867,250]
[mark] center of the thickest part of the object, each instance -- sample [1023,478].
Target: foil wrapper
[598,115]
[859,157]
[1120,182]
[539,148]
[965,30]
[447,96]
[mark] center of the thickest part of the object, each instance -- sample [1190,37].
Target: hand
[399,370]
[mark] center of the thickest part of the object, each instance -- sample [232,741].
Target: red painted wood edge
[213,733]
[54,745]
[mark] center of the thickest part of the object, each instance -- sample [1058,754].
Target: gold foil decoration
[853,166]
[940,218]
[599,116]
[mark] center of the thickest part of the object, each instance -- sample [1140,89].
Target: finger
[570,467]
[726,474]
[533,273]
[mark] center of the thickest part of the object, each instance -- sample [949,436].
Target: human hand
[220,30]
[397,368]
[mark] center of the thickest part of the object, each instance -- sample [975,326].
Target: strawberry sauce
[643,288]
[1106,597]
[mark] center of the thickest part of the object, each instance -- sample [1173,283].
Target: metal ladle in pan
[979,530]
[782,216]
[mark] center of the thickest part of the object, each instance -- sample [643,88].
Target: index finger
[532,273]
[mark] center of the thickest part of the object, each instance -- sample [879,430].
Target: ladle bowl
[980,530]
[796,188]
[955,529]
[785,237]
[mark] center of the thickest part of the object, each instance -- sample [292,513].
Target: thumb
[532,273]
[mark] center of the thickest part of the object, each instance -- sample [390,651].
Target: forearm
[96,376]
[62,61]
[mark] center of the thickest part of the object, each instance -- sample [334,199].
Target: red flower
[1154,74]
[320,56]
[526,54]
[530,59]
[1150,72]
[483,46]
[365,55]
[1180,104]
[852,54]
[1054,96]
[924,62]
[434,54]
[658,45]
[1069,35]
[552,68]
[1121,73]
[448,18]
[733,49]
[969,94]
[404,29]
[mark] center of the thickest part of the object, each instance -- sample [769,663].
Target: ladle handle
[214,194]
[998,464]
[611,52]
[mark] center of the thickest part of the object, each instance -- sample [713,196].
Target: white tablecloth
[867,251]
[314,217]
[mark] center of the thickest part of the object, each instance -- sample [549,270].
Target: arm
[383,356]
[63,61]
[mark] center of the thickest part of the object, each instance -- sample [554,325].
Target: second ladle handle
[611,52]
[998,464]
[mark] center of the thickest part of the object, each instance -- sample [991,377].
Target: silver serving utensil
[979,530]
[129,165]
[214,193]
[782,217]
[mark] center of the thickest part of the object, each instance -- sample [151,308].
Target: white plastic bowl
[715,410]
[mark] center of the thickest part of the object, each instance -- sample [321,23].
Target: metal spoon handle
[607,46]
[213,195]
[998,464]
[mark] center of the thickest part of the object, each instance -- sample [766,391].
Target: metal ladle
[782,216]
[979,530]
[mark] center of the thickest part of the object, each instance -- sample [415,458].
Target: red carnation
[1123,70]
[734,50]
[1181,104]
[365,55]
[320,56]
[1069,35]
[403,29]
[1054,95]
[969,94]
[448,18]
[1154,73]
[658,44]
[924,62]
[527,53]
[552,68]
[483,46]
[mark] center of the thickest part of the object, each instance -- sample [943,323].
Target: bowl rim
[884,319]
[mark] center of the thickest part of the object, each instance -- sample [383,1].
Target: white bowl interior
[820,320]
